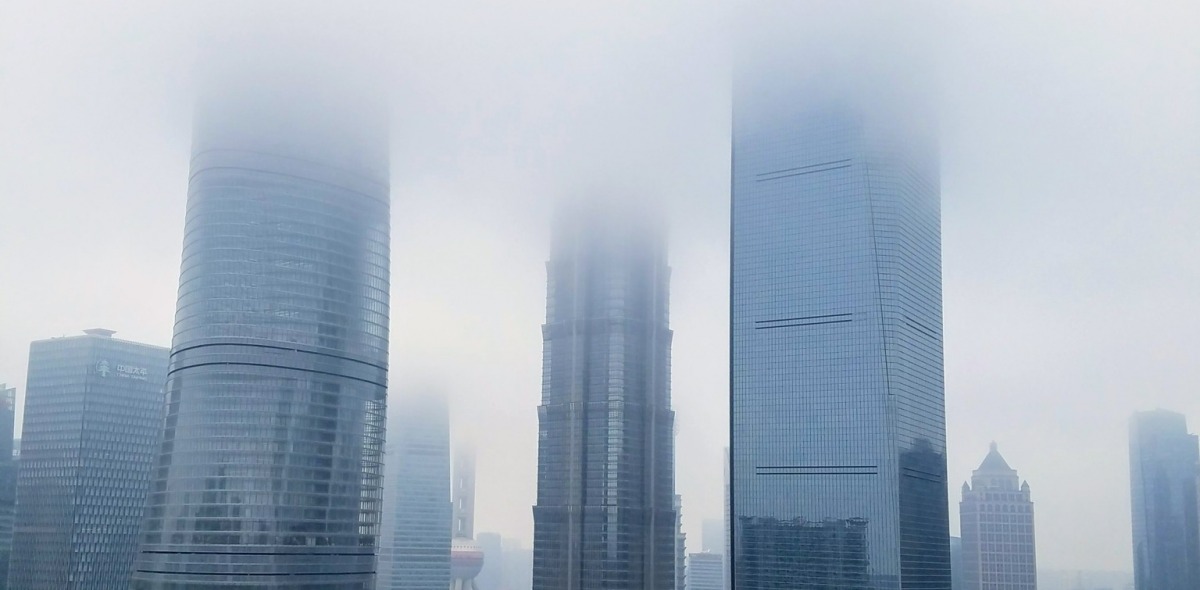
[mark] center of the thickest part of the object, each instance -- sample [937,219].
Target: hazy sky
[1071,167]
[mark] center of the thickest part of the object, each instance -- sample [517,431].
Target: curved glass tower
[269,470]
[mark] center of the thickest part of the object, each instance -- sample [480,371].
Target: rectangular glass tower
[93,413]
[837,398]
[420,513]
[1162,476]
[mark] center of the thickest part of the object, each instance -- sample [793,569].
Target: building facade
[491,574]
[680,545]
[421,516]
[269,474]
[957,576]
[705,571]
[712,536]
[605,516]
[93,412]
[996,518]
[1163,459]
[838,461]
[8,477]
[466,555]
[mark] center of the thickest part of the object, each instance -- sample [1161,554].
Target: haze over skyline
[1070,152]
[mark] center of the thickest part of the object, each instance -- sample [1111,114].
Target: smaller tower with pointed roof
[997,528]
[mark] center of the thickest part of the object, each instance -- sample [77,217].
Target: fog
[1070,142]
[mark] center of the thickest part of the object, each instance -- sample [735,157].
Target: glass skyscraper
[1163,461]
[418,551]
[8,477]
[269,473]
[837,396]
[93,409]
[604,516]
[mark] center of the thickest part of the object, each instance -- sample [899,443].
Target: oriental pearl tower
[466,557]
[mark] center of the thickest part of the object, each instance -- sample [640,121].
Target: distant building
[466,556]
[93,413]
[712,536]
[680,545]
[996,516]
[957,576]
[705,571]
[8,477]
[726,549]
[1084,580]
[507,564]
[518,566]
[604,516]
[492,572]
[1163,460]
[421,515]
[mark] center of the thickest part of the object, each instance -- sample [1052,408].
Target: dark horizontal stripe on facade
[919,326]
[805,318]
[262,553]
[802,325]
[829,163]
[282,348]
[925,475]
[820,473]
[818,470]
[830,169]
[280,367]
[252,575]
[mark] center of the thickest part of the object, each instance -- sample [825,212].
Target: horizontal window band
[920,327]
[924,475]
[817,467]
[262,553]
[818,470]
[830,163]
[819,473]
[279,367]
[924,478]
[802,325]
[283,349]
[242,574]
[802,173]
[805,318]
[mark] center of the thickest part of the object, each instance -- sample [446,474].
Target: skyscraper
[957,576]
[712,536]
[422,516]
[491,575]
[269,471]
[705,571]
[726,550]
[837,397]
[93,412]
[997,528]
[8,477]
[466,556]
[1163,460]
[680,546]
[604,516]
